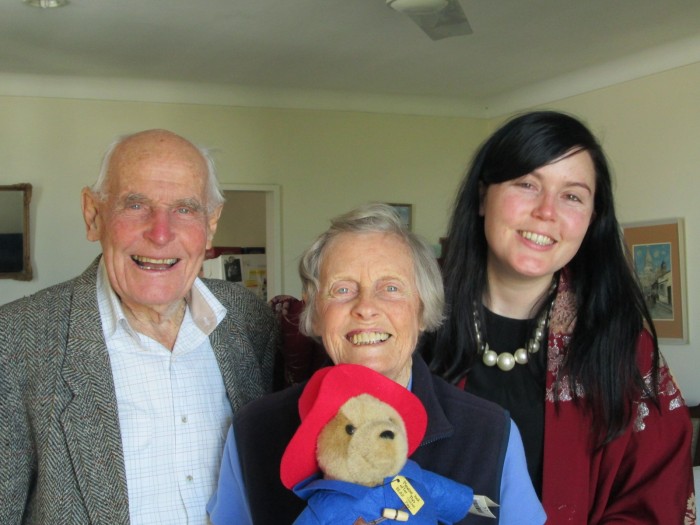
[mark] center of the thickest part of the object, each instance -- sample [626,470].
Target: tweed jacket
[61,458]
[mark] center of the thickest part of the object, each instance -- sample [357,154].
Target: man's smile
[147,263]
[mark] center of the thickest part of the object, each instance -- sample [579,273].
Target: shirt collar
[206,310]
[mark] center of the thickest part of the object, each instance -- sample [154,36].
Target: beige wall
[326,162]
[242,221]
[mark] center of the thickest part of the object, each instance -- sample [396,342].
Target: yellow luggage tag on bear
[407,494]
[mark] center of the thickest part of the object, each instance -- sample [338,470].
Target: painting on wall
[658,256]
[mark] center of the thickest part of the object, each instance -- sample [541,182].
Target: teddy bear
[348,458]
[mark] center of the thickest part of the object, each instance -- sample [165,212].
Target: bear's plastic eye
[350,429]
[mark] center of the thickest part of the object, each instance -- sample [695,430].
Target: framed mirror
[15,262]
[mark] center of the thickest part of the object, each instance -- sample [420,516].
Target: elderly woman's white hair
[375,218]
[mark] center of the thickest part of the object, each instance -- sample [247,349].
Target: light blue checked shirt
[173,409]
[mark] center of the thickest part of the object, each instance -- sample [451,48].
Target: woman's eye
[342,291]
[392,288]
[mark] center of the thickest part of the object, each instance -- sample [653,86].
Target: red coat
[642,477]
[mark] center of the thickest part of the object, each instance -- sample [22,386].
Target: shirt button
[183,419]
[189,478]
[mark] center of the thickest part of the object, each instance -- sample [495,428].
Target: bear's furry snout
[364,443]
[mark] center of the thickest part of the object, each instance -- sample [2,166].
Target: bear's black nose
[387,434]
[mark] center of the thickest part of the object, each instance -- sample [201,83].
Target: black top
[520,390]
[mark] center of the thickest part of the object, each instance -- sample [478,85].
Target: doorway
[252,215]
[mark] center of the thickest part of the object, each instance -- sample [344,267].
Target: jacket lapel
[90,420]
[226,340]
[439,426]
[238,359]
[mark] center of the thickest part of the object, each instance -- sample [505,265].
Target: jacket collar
[89,417]
[315,483]
[439,427]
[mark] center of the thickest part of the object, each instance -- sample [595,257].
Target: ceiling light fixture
[417,6]
[46,4]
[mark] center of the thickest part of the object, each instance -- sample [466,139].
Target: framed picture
[232,268]
[405,212]
[657,249]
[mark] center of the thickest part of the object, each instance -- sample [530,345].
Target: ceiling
[345,52]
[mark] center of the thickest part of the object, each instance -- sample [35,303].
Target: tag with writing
[480,506]
[407,494]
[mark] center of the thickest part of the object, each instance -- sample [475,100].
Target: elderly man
[118,387]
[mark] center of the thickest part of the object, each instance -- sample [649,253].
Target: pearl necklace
[505,360]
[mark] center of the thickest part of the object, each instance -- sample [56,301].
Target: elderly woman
[371,288]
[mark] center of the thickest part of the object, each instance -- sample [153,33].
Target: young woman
[546,318]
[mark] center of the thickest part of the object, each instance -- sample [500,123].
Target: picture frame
[405,212]
[657,251]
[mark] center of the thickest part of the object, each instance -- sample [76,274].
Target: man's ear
[212,223]
[91,214]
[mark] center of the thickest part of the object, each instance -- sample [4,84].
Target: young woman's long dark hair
[611,308]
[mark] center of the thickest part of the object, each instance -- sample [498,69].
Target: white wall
[327,162]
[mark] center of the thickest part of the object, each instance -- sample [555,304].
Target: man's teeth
[542,240]
[365,338]
[149,263]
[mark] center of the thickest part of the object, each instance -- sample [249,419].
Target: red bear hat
[327,390]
